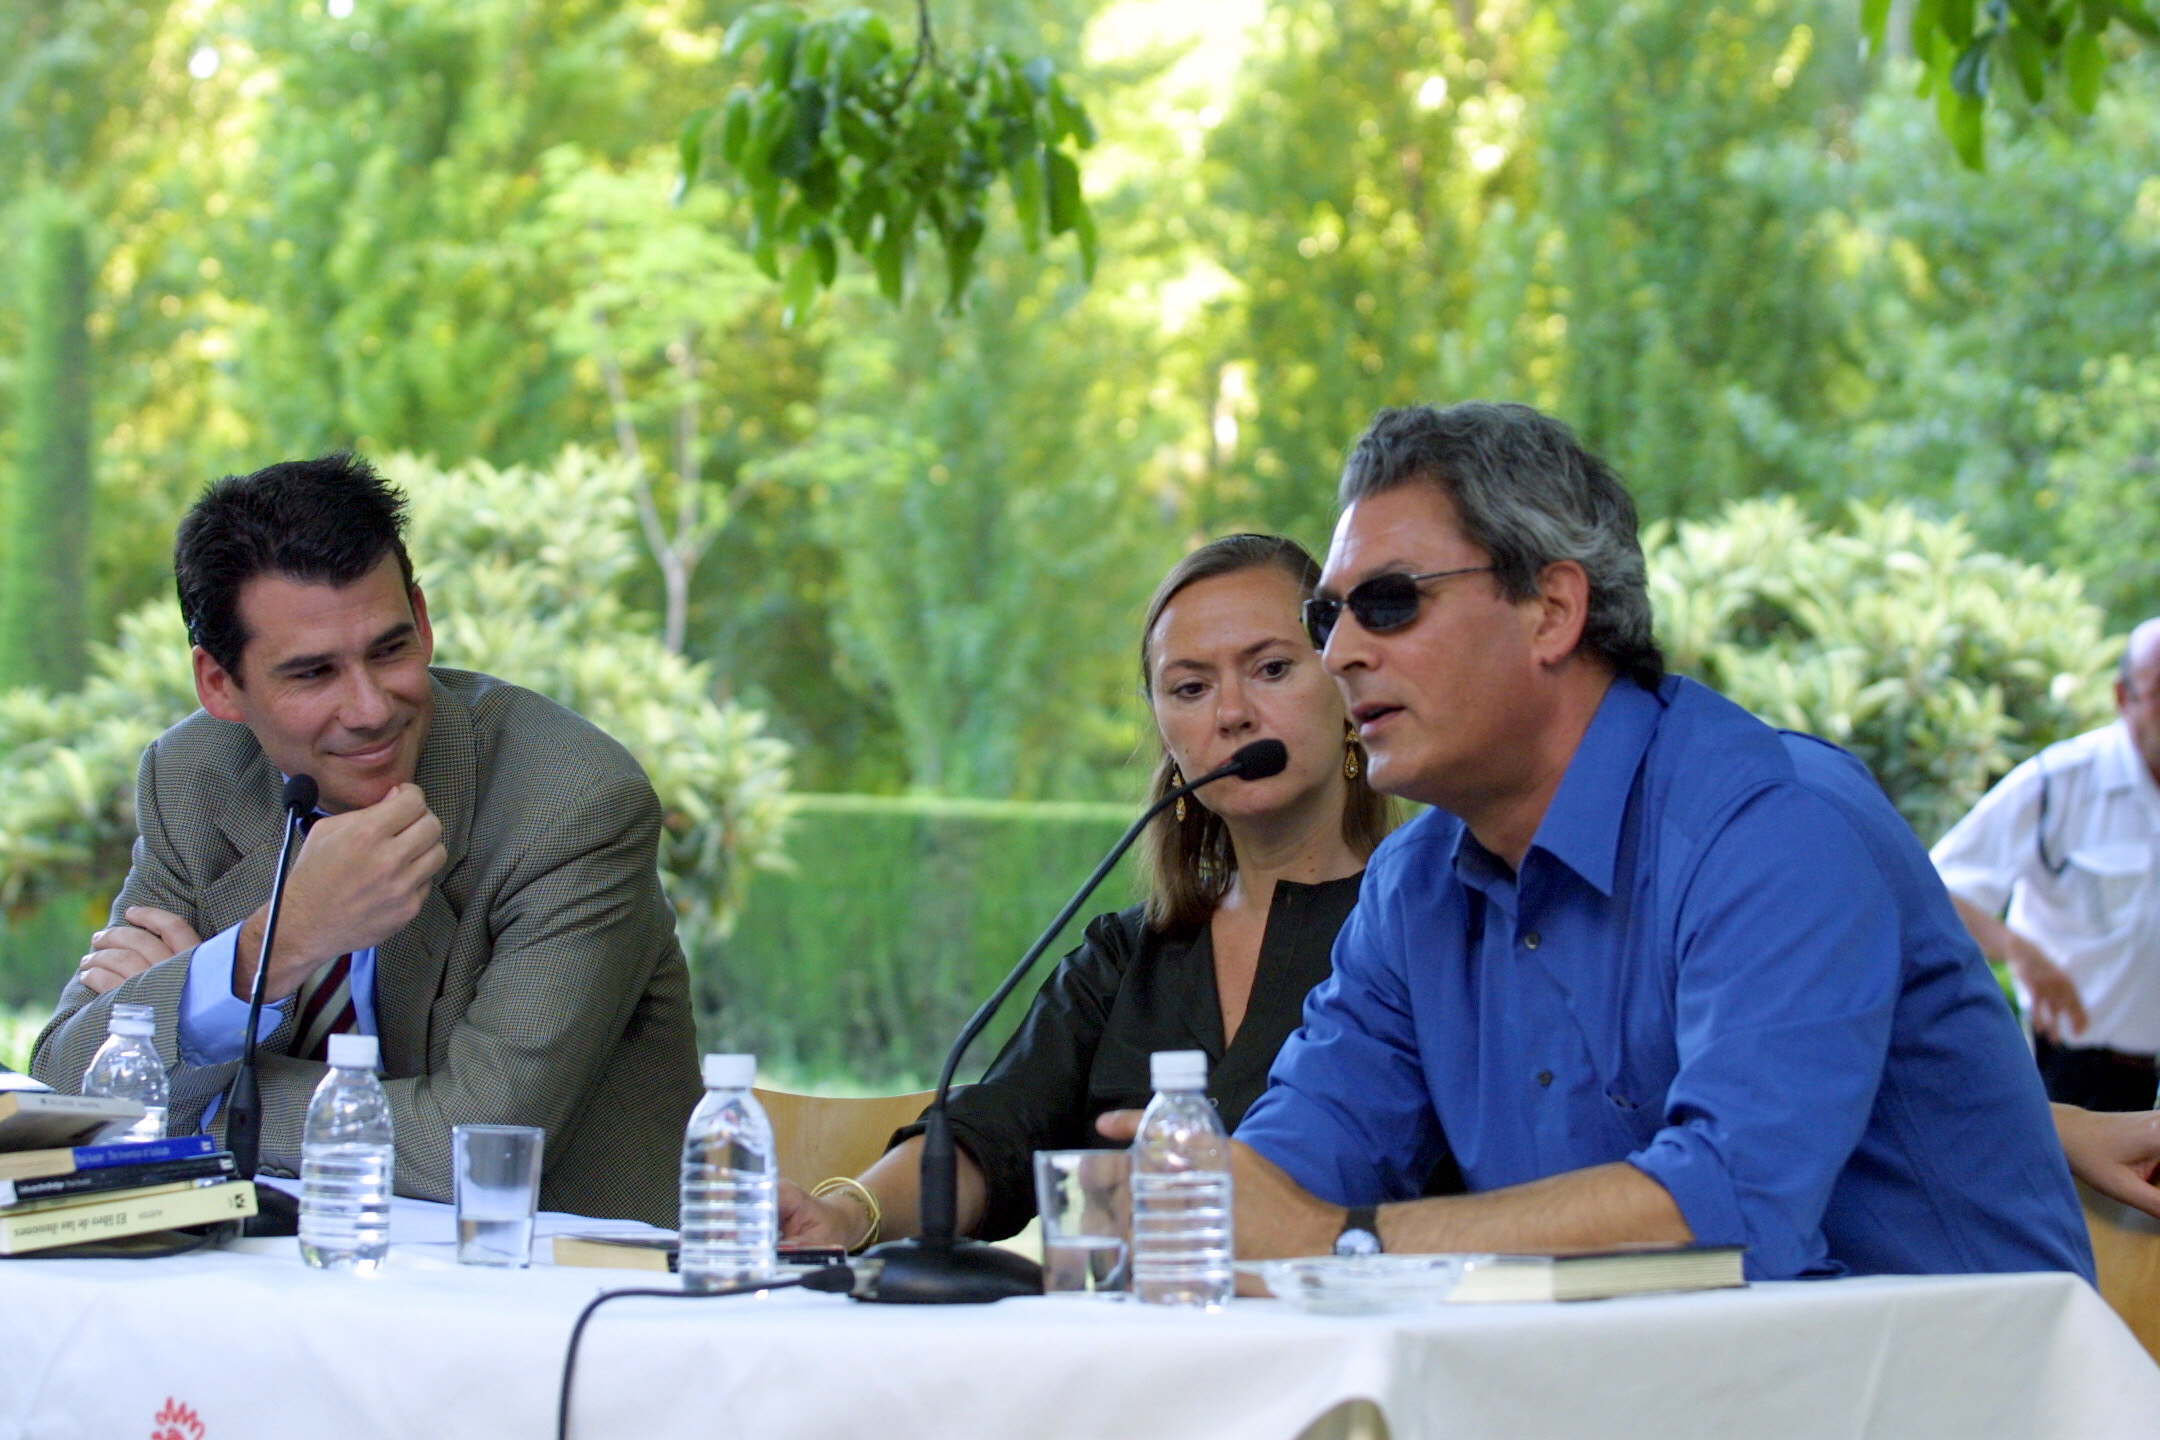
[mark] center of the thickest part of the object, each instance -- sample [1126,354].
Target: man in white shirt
[2070,842]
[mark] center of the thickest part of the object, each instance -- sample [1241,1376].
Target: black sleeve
[1034,1095]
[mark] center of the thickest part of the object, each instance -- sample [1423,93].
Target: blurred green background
[861,589]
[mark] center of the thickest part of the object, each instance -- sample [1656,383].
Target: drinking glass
[1085,1199]
[497,1173]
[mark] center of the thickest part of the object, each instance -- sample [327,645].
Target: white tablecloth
[250,1343]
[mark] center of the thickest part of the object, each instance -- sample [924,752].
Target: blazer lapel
[409,965]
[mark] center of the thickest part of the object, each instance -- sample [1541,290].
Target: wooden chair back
[822,1135]
[2126,1251]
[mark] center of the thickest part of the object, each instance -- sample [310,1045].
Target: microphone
[938,1268]
[278,1214]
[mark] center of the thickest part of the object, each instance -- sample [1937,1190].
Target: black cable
[825,1277]
[2054,868]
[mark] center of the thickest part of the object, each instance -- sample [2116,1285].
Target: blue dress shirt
[213,1021]
[1726,961]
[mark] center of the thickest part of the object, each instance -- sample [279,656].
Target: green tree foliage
[974,489]
[1364,192]
[394,167]
[67,96]
[1984,335]
[846,137]
[899,915]
[1971,52]
[1938,664]
[45,512]
[526,572]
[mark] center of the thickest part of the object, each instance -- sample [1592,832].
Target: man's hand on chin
[1274,1217]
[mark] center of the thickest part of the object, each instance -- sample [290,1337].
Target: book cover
[125,1214]
[87,1183]
[620,1252]
[31,1119]
[1600,1274]
[36,1164]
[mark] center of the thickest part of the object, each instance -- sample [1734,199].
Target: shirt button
[1544,1077]
[1530,941]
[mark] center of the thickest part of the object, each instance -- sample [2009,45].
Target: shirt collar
[2119,766]
[1581,828]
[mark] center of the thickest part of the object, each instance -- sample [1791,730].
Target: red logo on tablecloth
[177,1422]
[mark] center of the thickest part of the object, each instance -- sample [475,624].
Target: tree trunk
[45,512]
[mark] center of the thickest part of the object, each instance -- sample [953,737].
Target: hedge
[857,969]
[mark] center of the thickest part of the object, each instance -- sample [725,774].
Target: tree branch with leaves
[1965,46]
[843,136]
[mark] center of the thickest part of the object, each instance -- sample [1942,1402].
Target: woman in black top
[1247,884]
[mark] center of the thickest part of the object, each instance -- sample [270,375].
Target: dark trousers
[2094,1078]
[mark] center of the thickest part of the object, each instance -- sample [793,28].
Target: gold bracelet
[846,1182]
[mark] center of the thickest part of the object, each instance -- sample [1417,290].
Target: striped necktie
[326,1003]
[326,1009]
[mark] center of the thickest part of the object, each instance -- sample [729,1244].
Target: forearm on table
[1602,1206]
[896,1181]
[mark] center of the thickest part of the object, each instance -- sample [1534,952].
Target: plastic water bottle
[1181,1189]
[730,1217]
[126,1067]
[346,1157]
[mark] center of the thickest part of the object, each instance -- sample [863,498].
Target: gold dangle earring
[1177,781]
[1350,766]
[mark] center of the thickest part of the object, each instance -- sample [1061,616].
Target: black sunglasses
[1385,602]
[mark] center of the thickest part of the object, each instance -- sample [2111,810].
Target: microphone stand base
[955,1272]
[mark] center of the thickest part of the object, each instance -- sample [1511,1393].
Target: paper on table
[431,1222]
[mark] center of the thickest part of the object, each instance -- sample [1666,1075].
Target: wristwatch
[1360,1232]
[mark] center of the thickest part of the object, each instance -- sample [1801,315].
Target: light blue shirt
[213,1021]
[1726,961]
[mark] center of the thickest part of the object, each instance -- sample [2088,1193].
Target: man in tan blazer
[479,888]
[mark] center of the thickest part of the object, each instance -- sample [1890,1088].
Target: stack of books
[59,1186]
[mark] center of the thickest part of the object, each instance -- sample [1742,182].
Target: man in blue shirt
[1654,970]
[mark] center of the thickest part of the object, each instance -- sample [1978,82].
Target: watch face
[1357,1242]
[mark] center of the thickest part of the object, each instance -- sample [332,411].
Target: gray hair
[1528,494]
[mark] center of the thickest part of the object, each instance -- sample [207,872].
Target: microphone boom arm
[939,1204]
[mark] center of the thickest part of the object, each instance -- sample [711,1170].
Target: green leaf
[1921,25]
[1874,18]
[813,53]
[797,147]
[2138,18]
[1068,117]
[828,255]
[2086,63]
[692,146]
[821,185]
[1084,228]
[1063,178]
[1961,118]
[800,288]
[780,54]
[735,126]
[1026,178]
[890,261]
[774,120]
[1954,18]
[2028,60]
[1969,76]
[1038,73]
[960,250]
[755,25]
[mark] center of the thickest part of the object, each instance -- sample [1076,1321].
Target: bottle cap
[730,1072]
[353,1052]
[1178,1069]
[131,1020]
